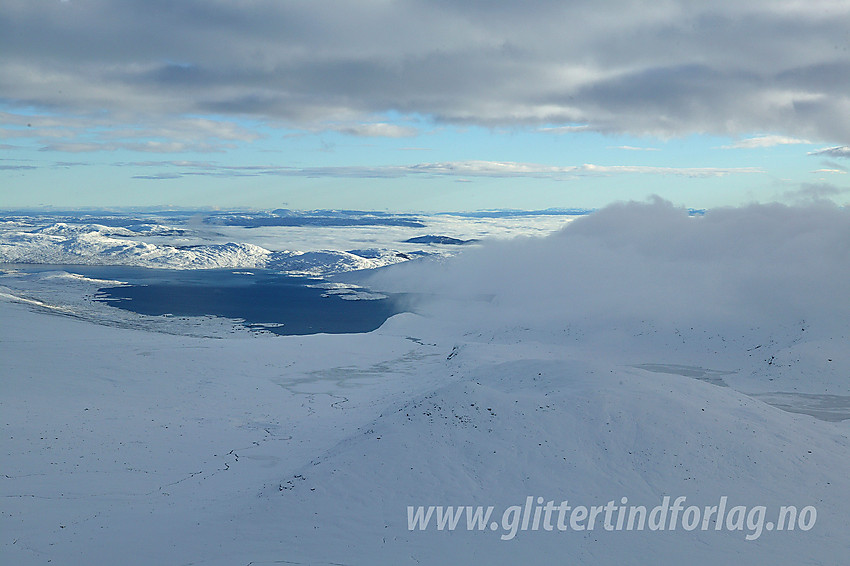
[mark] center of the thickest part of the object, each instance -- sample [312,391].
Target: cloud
[669,69]
[512,169]
[632,148]
[652,264]
[463,169]
[564,129]
[765,141]
[146,146]
[838,151]
[4,167]
[76,134]
[158,176]
[815,192]
[376,130]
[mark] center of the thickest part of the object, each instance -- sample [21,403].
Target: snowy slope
[640,353]
[310,449]
[568,429]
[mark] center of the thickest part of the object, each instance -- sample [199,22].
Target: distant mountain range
[96,244]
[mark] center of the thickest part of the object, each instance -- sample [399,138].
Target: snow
[190,244]
[57,245]
[348,292]
[88,245]
[721,371]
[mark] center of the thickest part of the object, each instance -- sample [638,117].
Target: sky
[413,105]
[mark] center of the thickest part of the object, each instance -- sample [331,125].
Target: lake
[263,299]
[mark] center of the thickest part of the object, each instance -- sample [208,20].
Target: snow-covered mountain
[642,353]
[94,244]
[301,243]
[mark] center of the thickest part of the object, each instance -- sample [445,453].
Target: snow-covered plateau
[638,353]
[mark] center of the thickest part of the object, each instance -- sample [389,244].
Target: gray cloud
[839,151]
[669,68]
[30,165]
[100,133]
[815,192]
[377,129]
[4,167]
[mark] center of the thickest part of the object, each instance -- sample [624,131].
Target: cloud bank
[760,265]
[667,68]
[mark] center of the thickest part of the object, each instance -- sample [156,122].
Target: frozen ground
[638,353]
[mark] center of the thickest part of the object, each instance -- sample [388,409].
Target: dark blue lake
[264,299]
